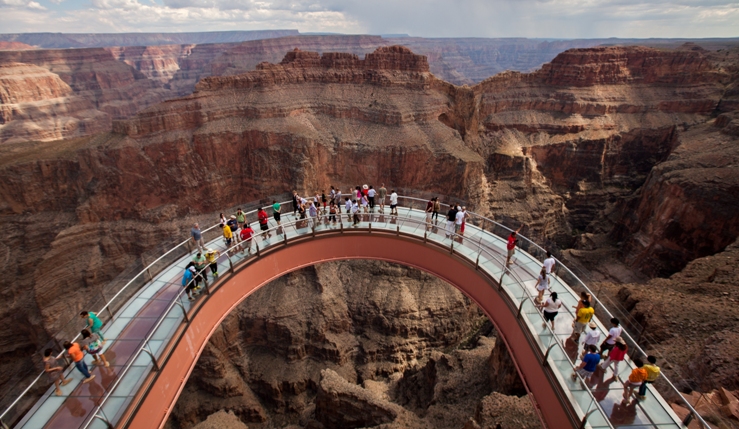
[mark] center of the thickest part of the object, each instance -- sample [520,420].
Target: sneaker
[216,274]
[89,379]
[543,325]
[191,298]
[66,381]
[58,392]
[641,398]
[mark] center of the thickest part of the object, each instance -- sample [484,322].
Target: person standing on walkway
[324,201]
[464,220]
[371,198]
[296,202]
[246,238]
[75,352]
[511,245]
[197,236]
[589,364]
[542,284]
[94,324]
[276,211]
[393,203]
[615,356]
[332,212]
[189,281]
[437,208]
[54,371]
[451,217]
[234,225]
[592,337]
[263,222]
[653,373]
[382,193]
[549,262]
[355,213]
[584,315]
[458,220]
[348,207]
[227,236]
[199,261]
[365,203]
[429,210]
[550,309]
[212,257]
[613,334]
[636,378]
[240,218]
[312,214]
[222,219]
[94,347]
[338,202]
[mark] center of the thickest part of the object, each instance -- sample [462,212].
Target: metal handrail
[316,219]
[107,306]
[592,294]
[313,221]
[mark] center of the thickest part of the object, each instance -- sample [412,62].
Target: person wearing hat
[592,337]
[233,223]
[189,281]
[616,355]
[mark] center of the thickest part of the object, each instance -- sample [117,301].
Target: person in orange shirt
[75,352]
[636,378]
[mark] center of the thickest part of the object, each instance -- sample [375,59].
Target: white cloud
[21,4]
[427,18]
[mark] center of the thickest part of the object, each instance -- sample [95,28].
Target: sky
[422,18]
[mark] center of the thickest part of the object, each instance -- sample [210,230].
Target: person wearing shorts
[636,378]
[393,203]
[511,246]
[613,334]
[589,364]
[382,193]
[240,218]
[550,309]
[276,211]
[584,315]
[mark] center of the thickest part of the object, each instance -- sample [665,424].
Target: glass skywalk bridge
[138,331]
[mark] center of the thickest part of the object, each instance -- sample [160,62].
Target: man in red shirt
[263,219]
[511,246]
[246,234]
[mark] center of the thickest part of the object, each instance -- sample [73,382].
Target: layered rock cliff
[590,143]
[347,345]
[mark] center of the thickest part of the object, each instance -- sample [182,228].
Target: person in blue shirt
[589,363]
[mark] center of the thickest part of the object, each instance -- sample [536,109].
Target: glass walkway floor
[141,329]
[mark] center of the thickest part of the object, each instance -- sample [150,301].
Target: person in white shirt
[312,214]
[542,284]
[348,207]
[592,337]
[458,219]
[371,197]
[613,334]
[393,203]
[355,212]
[551,308]
[549,262]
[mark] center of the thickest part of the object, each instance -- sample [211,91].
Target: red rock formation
[14,46]
[101,87]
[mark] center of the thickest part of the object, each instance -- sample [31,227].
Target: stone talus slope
[346,344]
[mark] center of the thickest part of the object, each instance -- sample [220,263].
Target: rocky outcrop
[221,420]
[340,404]
[88,89]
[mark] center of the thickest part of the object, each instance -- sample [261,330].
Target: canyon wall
[346,345]
[607,141]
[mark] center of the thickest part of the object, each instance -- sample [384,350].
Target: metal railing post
[584,421]
[370,228]
[151,355]
[257,244]
[520,307]
[184,312]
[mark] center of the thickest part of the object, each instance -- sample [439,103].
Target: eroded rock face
[340,404]
[345,344]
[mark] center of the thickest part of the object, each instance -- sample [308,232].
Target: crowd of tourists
[593,354]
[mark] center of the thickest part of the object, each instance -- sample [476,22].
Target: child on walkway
[91,343]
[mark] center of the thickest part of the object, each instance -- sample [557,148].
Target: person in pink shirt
[616,356]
